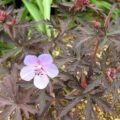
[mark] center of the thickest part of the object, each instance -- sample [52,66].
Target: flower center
[39,69]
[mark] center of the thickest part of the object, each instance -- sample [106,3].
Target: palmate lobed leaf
[5,101]
[28,109]
[89,112]
[70,106]
[13,99]
[17,115]
[72,65]
[105,106]
[7,112]
[94,84]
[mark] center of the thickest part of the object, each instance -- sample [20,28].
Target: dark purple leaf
[69,106]
[105,106]
[17,114]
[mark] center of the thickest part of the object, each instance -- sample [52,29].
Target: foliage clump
[84,42]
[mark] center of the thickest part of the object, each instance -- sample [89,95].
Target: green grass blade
[40,5]
[102,4]
[33,10]
[47,11]
[35,13]
[47,8]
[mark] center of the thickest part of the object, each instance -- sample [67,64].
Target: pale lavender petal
[41,81]
[30,60]
[45,59]
[51,70]
[27,73]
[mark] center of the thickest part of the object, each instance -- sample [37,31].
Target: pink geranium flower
[40,69]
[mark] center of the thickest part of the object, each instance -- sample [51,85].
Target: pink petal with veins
[41,81]
[27,73]
[45,59]
[30,60]
[51,70]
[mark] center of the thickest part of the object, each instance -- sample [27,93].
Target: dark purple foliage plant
[43,78]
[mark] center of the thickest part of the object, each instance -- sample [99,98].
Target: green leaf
[47,8]
[48,31]
[33,10]
[10,53]
[4,46]
[35,13]
[40,5]
[24,14]
[102,4]
[42,102]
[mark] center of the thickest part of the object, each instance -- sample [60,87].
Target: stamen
[39,69]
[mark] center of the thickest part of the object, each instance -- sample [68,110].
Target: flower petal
[27,73]
[51,70]
[30,60]
[41,81]
[45,59]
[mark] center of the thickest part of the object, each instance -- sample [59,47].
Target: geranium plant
[74,76]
